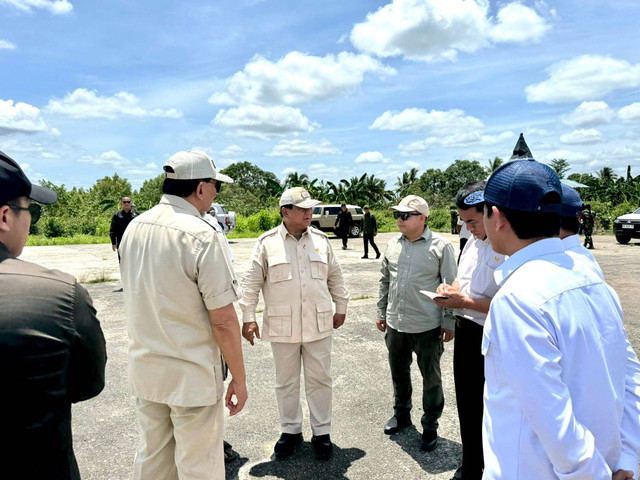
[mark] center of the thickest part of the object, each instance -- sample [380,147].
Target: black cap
[14,183]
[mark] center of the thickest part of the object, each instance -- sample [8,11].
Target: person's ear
[4,219]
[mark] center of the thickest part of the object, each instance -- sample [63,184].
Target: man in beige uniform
[179,291]
[297,271]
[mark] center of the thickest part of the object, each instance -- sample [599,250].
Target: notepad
[432,295]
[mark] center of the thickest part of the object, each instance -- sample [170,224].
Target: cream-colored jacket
[299,280]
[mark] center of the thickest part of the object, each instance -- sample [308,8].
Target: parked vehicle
[324,218]
[627,227]
[226,219]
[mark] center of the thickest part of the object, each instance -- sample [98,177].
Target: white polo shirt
[562,391]
[175,267]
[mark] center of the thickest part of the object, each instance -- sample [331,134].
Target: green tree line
[255,193]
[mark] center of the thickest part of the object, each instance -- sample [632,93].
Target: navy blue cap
[521,185]
[14,183]
[571,202]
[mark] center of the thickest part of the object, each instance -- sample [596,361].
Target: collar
[571,241]
[282,230]
[4,252]
[426,235]
[180,203]
[546,246]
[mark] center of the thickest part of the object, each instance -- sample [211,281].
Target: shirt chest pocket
[279,320]
[319,265]
[279,269]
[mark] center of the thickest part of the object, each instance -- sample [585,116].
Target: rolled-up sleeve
[215,277]
[335,283]
[252,282]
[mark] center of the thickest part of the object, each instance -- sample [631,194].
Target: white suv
[227,220]
[627,227]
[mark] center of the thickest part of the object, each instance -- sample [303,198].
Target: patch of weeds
[102,277]
[361,297]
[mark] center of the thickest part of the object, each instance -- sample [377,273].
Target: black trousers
[344,234]
[428,349]
[368,238]
[468,374]
[463,242]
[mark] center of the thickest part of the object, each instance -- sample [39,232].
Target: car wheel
[354,231]
[623,239]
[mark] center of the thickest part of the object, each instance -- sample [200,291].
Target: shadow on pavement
[445,457]
[303,465]
[231,469]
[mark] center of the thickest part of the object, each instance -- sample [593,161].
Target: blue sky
[328,88]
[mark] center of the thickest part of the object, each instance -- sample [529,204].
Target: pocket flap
[277,260]
[318,257]
[279,310]
[324,306]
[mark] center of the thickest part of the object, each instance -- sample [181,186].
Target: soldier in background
[587,219]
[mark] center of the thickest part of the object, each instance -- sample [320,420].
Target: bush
[55,227]
[440,219]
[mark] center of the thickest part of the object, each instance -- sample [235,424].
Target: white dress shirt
[562,392]
[573,247]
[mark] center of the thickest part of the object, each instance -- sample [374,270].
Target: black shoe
[458,474]
[377,255]
[364,256]
[229,453]
[429,440]
[287,444]
[322,446]
[395,424]
[344,248]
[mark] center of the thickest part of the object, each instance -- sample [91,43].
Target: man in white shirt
[562,388]
[470,294]
[179,290]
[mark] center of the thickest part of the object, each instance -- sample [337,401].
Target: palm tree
[561,166]
[405,182]
[295,179]
[494,164]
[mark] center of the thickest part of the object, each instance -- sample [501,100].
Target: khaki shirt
[407,268]
[299,280]
[175,267]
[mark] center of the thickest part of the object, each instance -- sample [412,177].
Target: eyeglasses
[217,183]
[126,201]
[35,209]
[405,215]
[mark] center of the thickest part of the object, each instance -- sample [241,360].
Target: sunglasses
[126,201]
[35,209]
[405,215]
[217,183]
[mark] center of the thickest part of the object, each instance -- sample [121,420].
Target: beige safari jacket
[299,280]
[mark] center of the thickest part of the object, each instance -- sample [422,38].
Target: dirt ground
[105,428]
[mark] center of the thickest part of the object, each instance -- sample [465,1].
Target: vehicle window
[637,211]
[359,211]
[223,210]
[317,210]
[332,210]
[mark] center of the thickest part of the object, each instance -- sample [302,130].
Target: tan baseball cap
[193,165]
[298,197]
[413,203]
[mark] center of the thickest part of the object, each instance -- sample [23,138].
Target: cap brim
[308,203]
[403,208]
[223,178]
[43,195]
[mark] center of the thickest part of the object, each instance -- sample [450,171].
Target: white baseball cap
[413,203]
[193,165]
[298,197]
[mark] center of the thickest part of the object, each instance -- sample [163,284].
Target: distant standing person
[120,222]
[454,220]
[415,259]
[369,230]
[52,350]
[343,225]
[587,219]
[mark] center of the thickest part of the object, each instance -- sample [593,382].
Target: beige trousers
[179,443]
[316,358]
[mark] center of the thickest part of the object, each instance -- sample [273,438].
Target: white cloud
[519,24]
[589,114]
[264,122]
[433,29]
[289,170]
[57,7]
[411,164]
[83,103]
[570,156]
[111,158]
[298,78]
[581,137]
[630,113]
[418,119]
[324,171]
[6,45]
[617,158]
[233,150]
[536,131]
[372,157]
[303,148]
[459,139]
[21,118]
[587,77]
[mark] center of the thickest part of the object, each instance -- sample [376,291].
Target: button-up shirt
[175,267]
[573,246]
[562,392]
[299,280]
[407,268]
